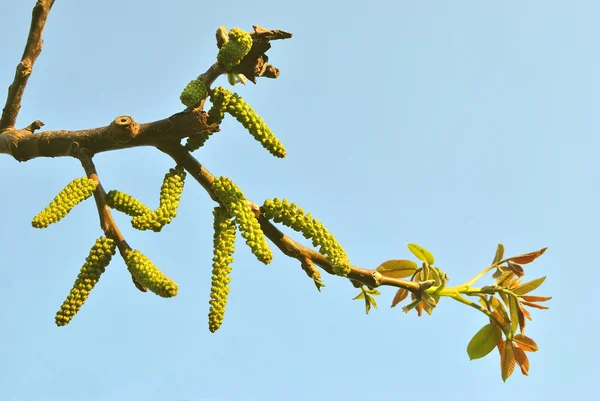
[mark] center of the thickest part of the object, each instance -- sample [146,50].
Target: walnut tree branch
[33,47]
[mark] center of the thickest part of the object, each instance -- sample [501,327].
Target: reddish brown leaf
[522,360]
[400,296]
[419,308]
[517,269]
[532,298]
[507,360]
[534,305]
[528,257]
[498,307]
[525,312]
[500,346]
[521,317]
[525,343]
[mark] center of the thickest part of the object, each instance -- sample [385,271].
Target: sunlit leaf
[528,287]
[522,360]
[398,268]
[367,304]
[499,254]
[429,300]
[532,298]
[421,253]
[525,343]
[372,291]
[528,257]
[504,277]
[507,360]
[504,298]
[484,341]
[534,305]
[514,314]
[401,294]
[498,307]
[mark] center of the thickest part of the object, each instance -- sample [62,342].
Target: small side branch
[24,68]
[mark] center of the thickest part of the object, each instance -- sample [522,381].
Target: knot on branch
[123,129]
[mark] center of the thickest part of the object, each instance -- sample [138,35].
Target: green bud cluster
[233,199]
[126,204]
[193,93]
[246,115]
[195,142]
[290,215]
[76,191]
[233,51]
[223,248]
[148,275]
[95,264]
[170,195]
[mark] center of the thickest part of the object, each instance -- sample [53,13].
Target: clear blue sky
[454,125]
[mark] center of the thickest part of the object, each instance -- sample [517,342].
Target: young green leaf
[397,268]
[528,287]
[359,296]
[514,313]
[421,253]
[484,341]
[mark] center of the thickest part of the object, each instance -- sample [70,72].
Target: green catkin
[170,195]
[223,248]
[234,49]
[234,201]
[294,217]
[193,93]
[242,112]
[75,192]
[126,204]
[148,275]
[95,264]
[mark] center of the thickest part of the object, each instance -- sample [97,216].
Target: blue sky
[454,125]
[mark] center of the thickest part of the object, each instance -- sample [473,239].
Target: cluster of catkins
[223,248]
[235,203]
[75,192]
[143,217]
[282,211]
[95,264]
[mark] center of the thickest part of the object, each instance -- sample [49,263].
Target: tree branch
[33,47]
[288,246]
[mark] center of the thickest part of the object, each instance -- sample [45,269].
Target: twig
[107,223]
[33,47]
